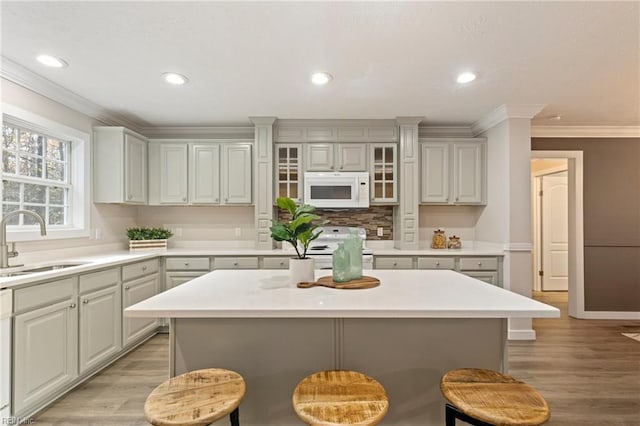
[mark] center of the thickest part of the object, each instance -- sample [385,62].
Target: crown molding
[444,131]
[505,112]
[585,131]
[263,121]
[408,121]
[180,132]
[294,122]
[26,78]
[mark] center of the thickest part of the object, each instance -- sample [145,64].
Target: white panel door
[45,352]
[237,175]
[319,157]
[468,173]
[133,292]
[555,234]
[173,173]
[204,174]
[135,179]
[353,157]
[100,326]
[435,173]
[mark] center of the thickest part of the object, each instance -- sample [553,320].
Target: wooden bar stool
[340,397]
[196,398]
[485,397]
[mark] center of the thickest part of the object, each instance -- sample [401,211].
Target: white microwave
[347,190]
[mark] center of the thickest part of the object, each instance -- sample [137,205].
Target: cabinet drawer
[98,280]
[487,277]
[394,263]
[275,263]
[187,264]
[140,269]
[44,294]
[235,263]
[436,263]
[478,264]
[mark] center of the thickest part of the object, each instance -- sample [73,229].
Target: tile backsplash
[371,219]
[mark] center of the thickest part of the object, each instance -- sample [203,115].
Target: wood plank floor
[586,369]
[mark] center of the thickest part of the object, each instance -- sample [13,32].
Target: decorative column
[262,180]
[406,214]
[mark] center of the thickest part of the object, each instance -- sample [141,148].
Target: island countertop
[401,294]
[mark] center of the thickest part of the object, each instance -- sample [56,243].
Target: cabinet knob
[479,263]
[456,198]
[129,197]
[144,268]
[226,199]
[447,199]
[235,263]
[437,263]
[85,301]
[282,263]
[395,263]
[216,200]
[127,288]
[186,263]
[184,198]
[73,305]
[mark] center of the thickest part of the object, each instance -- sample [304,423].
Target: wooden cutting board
[364,282]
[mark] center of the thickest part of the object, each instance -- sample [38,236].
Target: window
[43,170]
[35,176]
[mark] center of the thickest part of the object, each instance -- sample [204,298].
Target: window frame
[79,195]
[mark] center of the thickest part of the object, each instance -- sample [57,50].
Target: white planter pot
[301,270]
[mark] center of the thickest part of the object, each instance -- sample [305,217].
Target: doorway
[571,161]
[550,237]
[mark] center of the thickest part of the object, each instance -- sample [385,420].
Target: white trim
[585,131]
[522,334]
[617,315]
[20,75]
[80,175]
[576,227]
[177,132]
[504,112]
[518,247]
[425,131]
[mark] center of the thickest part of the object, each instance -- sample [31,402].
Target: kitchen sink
[43,268]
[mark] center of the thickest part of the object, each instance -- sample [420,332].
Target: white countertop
[401,294]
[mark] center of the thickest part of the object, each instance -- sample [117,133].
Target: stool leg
[449,415]
[452,413]
[235,417]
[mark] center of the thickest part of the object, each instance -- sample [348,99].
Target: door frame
[576,226]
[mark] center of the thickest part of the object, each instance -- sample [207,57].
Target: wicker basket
[147,245]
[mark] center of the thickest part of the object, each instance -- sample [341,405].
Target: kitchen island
[406,333]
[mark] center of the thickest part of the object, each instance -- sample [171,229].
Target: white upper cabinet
[453,171]
[336,157]
[207,173]
[236,174]
[204,176]
[120,166]
[288,173]
[384,173]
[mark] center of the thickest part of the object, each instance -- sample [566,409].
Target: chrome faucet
[5,254]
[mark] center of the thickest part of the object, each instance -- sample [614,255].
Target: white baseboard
[616,315]
[522,335]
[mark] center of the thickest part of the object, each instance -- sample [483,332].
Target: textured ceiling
[388,59]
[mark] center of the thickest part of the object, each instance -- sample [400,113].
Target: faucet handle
[12,252]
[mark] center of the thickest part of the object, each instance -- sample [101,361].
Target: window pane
[31,166]
[11,191]
[56,195]
[9,137]
[55,171]
[35,193]
[56,215]
[6,208]
[56,149]
[8,162]
[31,142]
[30,220]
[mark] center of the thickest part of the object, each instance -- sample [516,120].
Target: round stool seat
[340,397]
[494,398]
[195,398]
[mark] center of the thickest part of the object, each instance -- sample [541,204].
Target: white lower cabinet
[100,317]
[133,329]
[45,349]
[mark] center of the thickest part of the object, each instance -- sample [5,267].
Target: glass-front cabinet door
[288,173]
[384,174]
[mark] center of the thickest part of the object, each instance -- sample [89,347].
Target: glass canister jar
[439,239]
[454,242]
[340,263]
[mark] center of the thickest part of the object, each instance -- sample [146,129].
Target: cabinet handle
[85,301]
[73,305]
[144,268]
[127,288]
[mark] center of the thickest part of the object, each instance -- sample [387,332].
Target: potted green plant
[148,238]
[301,228]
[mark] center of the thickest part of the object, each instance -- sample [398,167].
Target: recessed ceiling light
[465,77]
[321,78]
[174,78]
[51,61]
